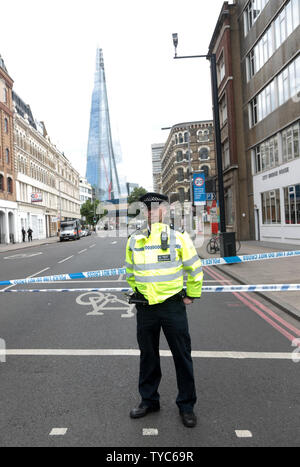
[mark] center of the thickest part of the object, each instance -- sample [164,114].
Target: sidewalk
[21,246]
[272,271]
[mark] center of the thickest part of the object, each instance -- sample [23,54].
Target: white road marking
[23,255]
[150,432]
[13,285]
[79,252]
[136,353]
[113,243]
[92,246]
[40,272]
[58,431]
[243,434]
[66,259]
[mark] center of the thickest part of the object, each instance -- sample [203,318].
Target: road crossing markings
[58,431]
[243,433]
[136,353]
[66,259]
[150,432]
[92,246]
[82,251]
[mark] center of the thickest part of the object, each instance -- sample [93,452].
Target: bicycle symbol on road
[99,301]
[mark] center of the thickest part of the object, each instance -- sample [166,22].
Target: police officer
[156,260]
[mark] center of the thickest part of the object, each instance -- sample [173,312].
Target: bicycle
[213,245]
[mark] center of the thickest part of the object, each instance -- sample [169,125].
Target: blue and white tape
[119,271]
[248,258]
[215,288]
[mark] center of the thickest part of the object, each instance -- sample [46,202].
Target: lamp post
[227,243]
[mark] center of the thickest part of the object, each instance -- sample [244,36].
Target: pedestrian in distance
[29,232]
[156,259]
[23,234]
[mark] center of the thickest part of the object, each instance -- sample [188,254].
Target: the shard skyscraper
[101,170]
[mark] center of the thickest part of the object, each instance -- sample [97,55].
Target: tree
[136,194]
[88,210]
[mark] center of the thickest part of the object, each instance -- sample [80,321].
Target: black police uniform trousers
[172,318]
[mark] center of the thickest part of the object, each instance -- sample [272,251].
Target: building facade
[189,148]
[85,191]
[157,150]
[236,168]
[8,205]
[47,186]
[270,66]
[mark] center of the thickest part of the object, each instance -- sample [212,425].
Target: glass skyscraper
[101,170]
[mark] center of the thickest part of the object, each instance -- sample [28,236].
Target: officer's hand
[187,301]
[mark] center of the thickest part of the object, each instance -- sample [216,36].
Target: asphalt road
[72,362]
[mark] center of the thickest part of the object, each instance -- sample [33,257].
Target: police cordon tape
[120,271]
[215,288]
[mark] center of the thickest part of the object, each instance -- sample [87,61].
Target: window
[226,155]
[292,204]
[9,185]
[286,85]
[180,138]
[252,12]
[270,202]
[186,137]
[180,175]
[179,156]
[285,23]
[223,110]
[1,182]
[6,125]
[221,69]
[290,143]
[7,155]
[253,112]
[204,154]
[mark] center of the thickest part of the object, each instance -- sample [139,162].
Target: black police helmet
[149,198]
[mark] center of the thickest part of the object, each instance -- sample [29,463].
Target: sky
[49,49]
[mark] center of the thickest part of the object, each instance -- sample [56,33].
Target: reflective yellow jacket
[158,274]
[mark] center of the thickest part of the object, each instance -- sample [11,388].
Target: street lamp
[227,243]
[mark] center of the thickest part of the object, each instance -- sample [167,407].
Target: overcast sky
[49,48]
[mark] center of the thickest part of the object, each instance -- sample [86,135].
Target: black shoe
[143,410]
[189,419]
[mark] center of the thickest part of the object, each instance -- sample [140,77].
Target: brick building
[236,168]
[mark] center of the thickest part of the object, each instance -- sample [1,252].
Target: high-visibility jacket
[158,274]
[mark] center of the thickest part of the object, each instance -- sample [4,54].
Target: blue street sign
[199,189]
[211,196]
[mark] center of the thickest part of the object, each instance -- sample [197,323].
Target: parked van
[70,230]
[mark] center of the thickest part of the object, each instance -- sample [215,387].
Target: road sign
[199,189]
[211,196]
